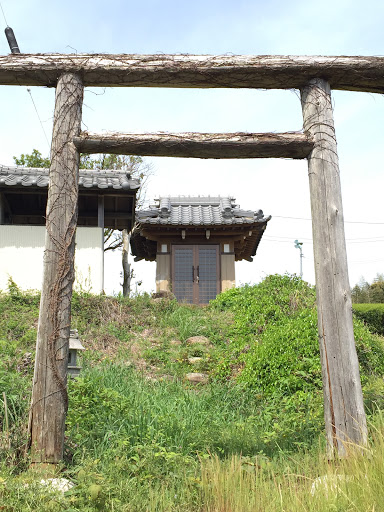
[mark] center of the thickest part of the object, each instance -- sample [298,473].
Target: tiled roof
[196,216]
[198,211]
[88,179]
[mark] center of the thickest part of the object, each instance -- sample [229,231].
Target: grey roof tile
[90,179]
[198,211]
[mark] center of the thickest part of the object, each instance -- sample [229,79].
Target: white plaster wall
[89,260]
[22,250]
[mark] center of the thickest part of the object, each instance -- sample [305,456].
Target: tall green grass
[116,409]
[305,481]
[144,439]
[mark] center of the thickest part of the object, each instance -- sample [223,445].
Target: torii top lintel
[353,73]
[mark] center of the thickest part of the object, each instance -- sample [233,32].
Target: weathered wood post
[127,275]
[343,400]
[49,393]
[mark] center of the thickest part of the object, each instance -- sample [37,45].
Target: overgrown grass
[159,480]
[307,483]
[274,348]
[114,406]
[141,438]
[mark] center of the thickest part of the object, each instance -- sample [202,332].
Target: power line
[346,221]
[2,10]
[294,218]
[280,241]
[29,90]
[366,241]
[362,222]
[37,113]
[367,238]
[288,240]
[366,261]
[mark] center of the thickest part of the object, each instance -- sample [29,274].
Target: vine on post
[49,392]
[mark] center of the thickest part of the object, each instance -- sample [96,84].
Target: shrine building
[195,242]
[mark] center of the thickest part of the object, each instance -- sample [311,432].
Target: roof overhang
[207,219]
[24,196]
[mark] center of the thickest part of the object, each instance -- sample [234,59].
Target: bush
[274,351]
[286,359]
[372,315]
[256,307]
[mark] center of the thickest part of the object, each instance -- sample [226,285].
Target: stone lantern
[74,346]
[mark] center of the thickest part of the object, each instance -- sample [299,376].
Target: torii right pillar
[345,420]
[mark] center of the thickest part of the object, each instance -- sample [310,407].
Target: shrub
[256,307]
[286,359]
[372,315]
[274,342]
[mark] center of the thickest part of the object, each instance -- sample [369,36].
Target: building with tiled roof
[107,194]
[195,242]
[107,199]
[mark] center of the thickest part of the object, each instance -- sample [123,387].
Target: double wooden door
[195,273]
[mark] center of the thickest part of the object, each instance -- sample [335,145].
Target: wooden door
[183,273]
[195,273]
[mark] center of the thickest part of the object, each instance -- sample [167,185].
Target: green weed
[139,437]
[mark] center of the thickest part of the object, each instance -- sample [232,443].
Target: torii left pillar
[49,393]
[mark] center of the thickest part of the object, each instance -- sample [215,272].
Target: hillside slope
[167,389]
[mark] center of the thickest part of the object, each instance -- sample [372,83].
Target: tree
[377,289]
[361,292]
[135,166]
[35,159]
[365,293]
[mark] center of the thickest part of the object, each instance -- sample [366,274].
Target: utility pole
[298,246]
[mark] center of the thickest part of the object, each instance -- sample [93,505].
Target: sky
[246,27]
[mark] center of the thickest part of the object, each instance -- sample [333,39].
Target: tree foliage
[35,159]
[274,337]
[133,165]
[365,293]
[372,315]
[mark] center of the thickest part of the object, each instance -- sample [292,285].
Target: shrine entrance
[195,273]
[314,76]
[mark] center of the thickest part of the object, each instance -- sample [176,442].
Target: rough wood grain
[49,393]
[199,145]
[343,401]
[354,73]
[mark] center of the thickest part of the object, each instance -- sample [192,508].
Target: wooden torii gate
[314,77]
